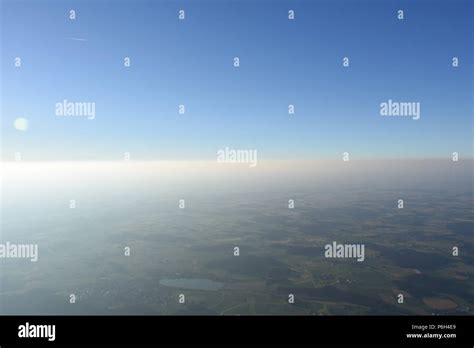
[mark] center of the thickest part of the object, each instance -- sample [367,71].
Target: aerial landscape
[190,251]
[234,158]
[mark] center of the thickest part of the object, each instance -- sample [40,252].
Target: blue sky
[190,62]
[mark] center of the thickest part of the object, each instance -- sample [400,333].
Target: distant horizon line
[470,158]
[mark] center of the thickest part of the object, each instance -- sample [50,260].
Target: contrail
[76,39]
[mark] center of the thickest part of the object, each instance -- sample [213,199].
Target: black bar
[224,330]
